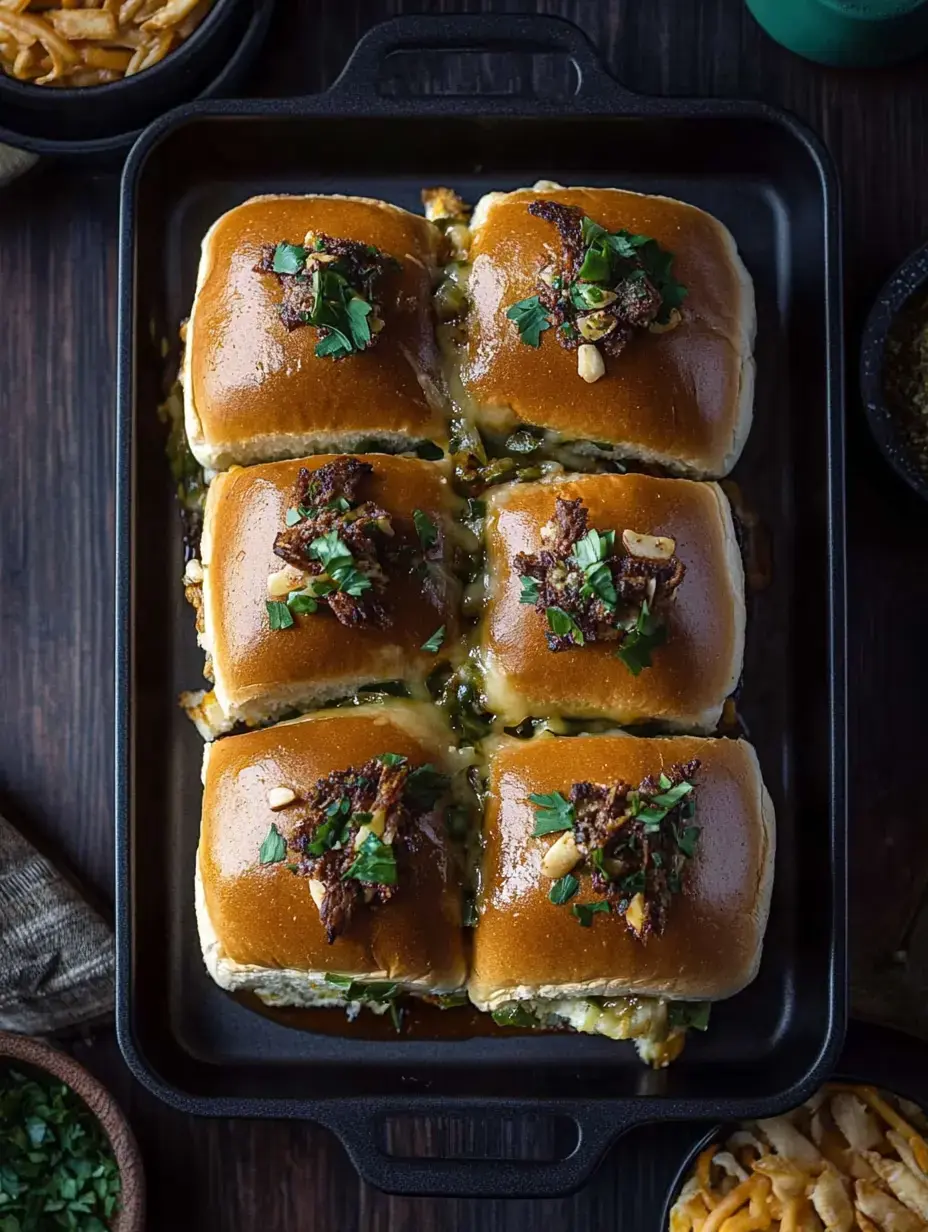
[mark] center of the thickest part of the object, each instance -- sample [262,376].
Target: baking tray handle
[362,1132]
[500,32]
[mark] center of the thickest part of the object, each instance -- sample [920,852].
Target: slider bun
[260,673]
[682,398]
[255,391]
[527,947]
[691,674]
[259,928]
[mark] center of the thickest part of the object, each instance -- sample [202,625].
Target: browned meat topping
[635,842]
[342,551]
[338,543]
[354,832]
[332,284]
[603,287]
[591,589]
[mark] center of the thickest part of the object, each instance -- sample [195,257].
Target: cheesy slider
[615,597]
[318,577]
[324,872]
[311,330]
[625,882]
[614,324]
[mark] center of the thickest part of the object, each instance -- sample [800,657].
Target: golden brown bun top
[251,376]
[715,926]
[700,662]
[246,509]
[263,914]
[672,394]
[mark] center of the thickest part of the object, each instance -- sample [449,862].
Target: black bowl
[107,118]
[872,1055]
[910,277]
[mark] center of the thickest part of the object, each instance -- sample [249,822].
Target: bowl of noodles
[83,76]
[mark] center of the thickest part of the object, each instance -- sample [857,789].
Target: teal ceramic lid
[846,32]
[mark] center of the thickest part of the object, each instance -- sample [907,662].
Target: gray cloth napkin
[57,957]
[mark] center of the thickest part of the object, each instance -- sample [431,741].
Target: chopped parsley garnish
[614,257]
[563,624]
[584,912]
[425,528]
[57,1169]
[301,603]
[378,991]
[278,615]
[552,813]
[374,863]
[686,840]
[330,286]
[563,889]
[648,633]
[293,516]
[274,848]
[594,547]
[433,644]
[531,319]
[289,259]
[338,562]
[329,833]
[391,759]
[529,590]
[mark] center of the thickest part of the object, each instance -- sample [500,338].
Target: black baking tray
[773,184]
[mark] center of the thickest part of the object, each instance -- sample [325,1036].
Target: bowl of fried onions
[78,75]
[853,1158]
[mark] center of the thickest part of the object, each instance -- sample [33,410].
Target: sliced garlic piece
[590,364]
[561,856]
[648,547]
[193,574]
[280,797]
[637,913]
[317,892]
[285,580]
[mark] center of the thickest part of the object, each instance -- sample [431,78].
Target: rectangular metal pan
[772,183]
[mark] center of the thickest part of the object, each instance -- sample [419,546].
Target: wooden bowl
[131,1217]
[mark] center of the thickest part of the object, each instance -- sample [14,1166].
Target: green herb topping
[56,1166]
[530,318]
[552,813]
[378,992]
[331,284]
[274,848]
[634,843]
[433,644]
[590,590]
[605,286]
[351,831]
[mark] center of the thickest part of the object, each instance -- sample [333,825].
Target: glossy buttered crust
[260,672]
[259,927]
[691,674]
[682,398]
[254,390]
[525,946]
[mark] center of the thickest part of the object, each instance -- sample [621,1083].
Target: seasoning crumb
[905,377]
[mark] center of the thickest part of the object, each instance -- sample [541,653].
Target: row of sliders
[623,882]
[617,597]
[455,814]
[587,325]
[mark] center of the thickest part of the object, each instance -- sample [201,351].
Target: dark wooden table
[57,378]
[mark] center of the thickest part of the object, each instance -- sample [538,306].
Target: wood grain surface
[57,385]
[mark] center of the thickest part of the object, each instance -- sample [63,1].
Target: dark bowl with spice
[64,1143]
[894,371]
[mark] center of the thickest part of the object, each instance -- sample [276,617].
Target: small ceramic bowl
[909,278]
[107,118]
[873,1055]
[32,1052]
